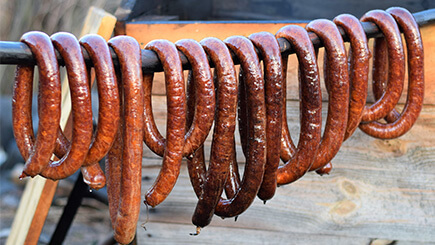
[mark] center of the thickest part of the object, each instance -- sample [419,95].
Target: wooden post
[39,192]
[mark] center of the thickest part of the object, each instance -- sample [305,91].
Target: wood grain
[377,189]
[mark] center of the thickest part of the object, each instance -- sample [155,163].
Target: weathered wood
[377,189]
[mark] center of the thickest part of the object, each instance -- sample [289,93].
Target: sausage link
[37,152]
[113,166]
[233,180]
[337,77]
[414,100]
[222,147]
[380,74]
[197,170]
[108,99]
[69,49]
[113,161]
[22,111]
[152,137]
[93,176]
[242,113]
[176,120]
[129,169]
[358,69]
[205,103]
[396,66]
[310,106]
[358,58]
[256,157]
[204,95]
[288,149]
[268,46]
[108,109]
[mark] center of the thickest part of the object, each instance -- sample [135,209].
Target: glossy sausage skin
[108,100]
[359,57]
[205,103]
[108,118]
[256,155]
[176,120]
[204,95]
[380,74]
[222,147]
[337,79]
[37,151]
[22,111]
[69,49]
[396,65]
[108,109]
[268,46]
[414,101]
[124,167]
[288,149]
[310,106]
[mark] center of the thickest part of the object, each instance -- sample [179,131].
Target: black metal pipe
[14,53]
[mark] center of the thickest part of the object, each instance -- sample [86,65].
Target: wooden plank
[47,194]
[145,32]
[39,192]
[378,189]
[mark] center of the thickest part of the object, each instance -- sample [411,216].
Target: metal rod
[14,53]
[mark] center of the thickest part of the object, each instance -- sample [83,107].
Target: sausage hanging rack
[18,53]
[14,53]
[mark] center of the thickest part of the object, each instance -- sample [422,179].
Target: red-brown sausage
[176,120]
[310,106]
[337,77]
[359,56]
[108,109]
[204,95]
[268,46]
[380,74]
[37,154]
[205,103]
[69,49]
[125,179]
[414,101]
[22,111]
[256,157]
[396,65]
[108,99]
[223,136]
[288,149]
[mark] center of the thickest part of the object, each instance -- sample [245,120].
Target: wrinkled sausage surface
[37,151]
[176,120]
[414,101]
[268,46]
[396,65]
[310,106]
[69,48]
[124,162]
[358,57]
[222,147]
[256,154]
[337,80]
